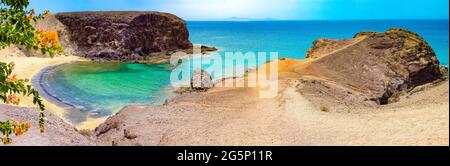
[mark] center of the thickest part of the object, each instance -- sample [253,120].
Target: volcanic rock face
[373,65]
[125,35]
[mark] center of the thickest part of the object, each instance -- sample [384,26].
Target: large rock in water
[124,35]
[374,66]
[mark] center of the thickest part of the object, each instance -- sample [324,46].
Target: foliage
[17,29]
[8,127]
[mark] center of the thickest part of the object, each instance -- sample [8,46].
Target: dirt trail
[352,43]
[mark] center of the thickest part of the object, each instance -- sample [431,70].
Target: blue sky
[261,9]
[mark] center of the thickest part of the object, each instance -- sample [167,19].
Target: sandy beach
[29,67]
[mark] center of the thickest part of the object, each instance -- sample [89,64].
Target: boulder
[124,35]
[201,80]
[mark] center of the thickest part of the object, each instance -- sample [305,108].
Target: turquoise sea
[104,88]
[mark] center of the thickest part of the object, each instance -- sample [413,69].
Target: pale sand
[57,131]
[91,123]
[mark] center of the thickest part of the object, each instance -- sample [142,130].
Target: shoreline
[69,110]
[38,84]
[71,113]
[388,114]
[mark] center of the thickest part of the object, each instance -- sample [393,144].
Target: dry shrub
[324,109]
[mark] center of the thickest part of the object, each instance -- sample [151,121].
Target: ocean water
[107,87]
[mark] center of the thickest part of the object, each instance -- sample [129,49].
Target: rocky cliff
[125,35]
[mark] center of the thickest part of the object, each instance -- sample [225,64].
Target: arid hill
[370,69]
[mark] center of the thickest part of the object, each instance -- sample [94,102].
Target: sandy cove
[374,89]
[238,116]
[29,67]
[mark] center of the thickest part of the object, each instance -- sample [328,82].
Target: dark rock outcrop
[374,65]
[125,35]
